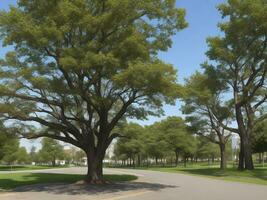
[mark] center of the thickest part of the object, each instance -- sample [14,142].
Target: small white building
[60,162]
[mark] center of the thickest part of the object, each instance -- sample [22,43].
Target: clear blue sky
[189,45]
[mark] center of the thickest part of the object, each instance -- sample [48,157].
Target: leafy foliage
[51,151]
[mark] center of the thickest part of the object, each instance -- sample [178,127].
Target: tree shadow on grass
[74,189]
[65,184]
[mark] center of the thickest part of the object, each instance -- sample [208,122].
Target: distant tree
[259,139]
[79,156]
[3,139]
[68,155]
[79,66]
[22,156]
[206,149]
[33,154]
[175,133]
[154,147]
[10,151]
[131,143]
[7,135]
[51,151]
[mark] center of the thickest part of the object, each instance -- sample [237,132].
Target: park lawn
[13,180]
[257,176]
[27,167]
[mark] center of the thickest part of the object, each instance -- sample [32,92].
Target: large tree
[239,57]
[79,66]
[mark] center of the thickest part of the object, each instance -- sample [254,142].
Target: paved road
[150,186]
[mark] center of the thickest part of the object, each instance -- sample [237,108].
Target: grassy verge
[9,181]
[26,167]
[257,176]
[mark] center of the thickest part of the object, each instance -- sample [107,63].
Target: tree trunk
[248,153]
[54,161]
[134,161]
[185,161]
[245,156]
[223,164]
[263,159]
[241,156]
[260,158]
[139,160]
[176,158]
[94,168]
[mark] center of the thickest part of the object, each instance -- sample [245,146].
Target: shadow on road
[74,189]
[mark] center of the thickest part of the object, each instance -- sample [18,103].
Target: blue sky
[189,45]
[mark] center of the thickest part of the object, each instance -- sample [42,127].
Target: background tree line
[169,142]
[50,153]
[172,142]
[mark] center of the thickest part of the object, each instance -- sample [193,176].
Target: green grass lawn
[257,176]
[9,181]
[26,167]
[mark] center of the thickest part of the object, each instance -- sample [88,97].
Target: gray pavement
[149,186]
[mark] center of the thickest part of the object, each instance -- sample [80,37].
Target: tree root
[92,182]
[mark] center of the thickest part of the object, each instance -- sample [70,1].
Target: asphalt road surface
[149,186]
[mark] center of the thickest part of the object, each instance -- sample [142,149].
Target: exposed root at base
[92,182]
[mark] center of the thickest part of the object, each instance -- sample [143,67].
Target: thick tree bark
[245,155]
[223,163]
[241,165]
[248,153]
[94,170]
[95,166]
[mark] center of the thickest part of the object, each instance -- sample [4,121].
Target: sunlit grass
[26,167]
[257,176]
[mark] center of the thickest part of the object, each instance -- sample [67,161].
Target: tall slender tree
[239,57]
